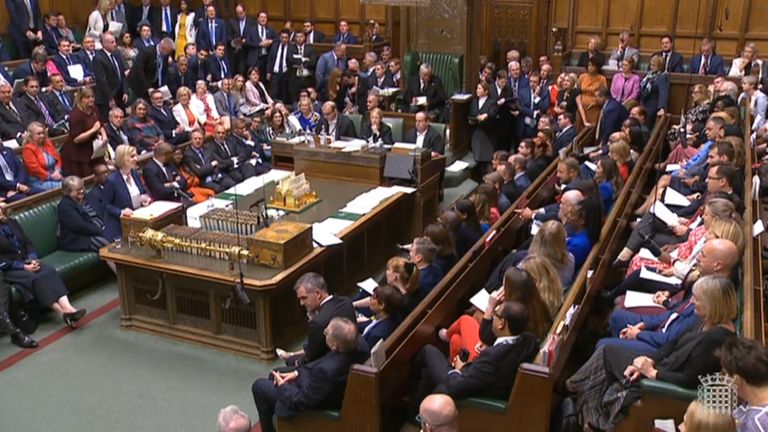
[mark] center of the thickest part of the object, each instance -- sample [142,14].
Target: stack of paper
[635,299]
[675,198]
[457,166]
[332,225]
[368,285]
[653,276]
[322,237]
[664,214]
[155,209]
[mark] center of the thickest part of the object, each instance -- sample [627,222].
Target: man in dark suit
[11,123]
[708,62]
[145,39]
[238,30]
[35,67]
[343,35]
[51,34]
[510,188]
[316,384]
[173,132]
[301,57]
[212,31]
[429,86]
[201,161]
[150,68]
[566,132]
[117,134]
[277,67]
[59,102]
[162,179]
[111,84]
[379,77]
[95,196]
[144,13]
[533,103]
[611,117]
[673,61]
[123,14]
[501,92]
[321,307]
[253,159]
[14,181]
[164,21]
[259,42]
[33,108]
[87,54]
[313,36]
[424,136]
[227,155]
[26,25]
[493,372]
[218,65]
[335,124]
[63,59]
[181,75]
[4,75]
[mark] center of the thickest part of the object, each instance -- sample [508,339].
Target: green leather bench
[77,269]
[397,125]
[489,404]
[449,67]
[357,121]
[667,390]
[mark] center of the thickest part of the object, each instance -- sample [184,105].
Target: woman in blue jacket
[124,191]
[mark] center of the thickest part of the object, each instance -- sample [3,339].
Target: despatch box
[281,245]
[157,215]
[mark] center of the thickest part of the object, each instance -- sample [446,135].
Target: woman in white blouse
[189,113]
[185,28]
[744,65]
[257,97]
[212,117]
[98,20]
[123,192]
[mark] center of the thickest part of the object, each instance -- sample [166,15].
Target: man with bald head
[334,124]
[161,177]
[438,413]
[108,70]
[11,124]
[318,383]
[644,332]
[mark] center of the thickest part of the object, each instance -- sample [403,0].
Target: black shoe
[23,340]
[71,318]
[6,325]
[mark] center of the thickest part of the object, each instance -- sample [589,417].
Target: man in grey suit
[624,51]
[226,102]
[336,58]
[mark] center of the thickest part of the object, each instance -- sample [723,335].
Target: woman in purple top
[625,85]
[746,360]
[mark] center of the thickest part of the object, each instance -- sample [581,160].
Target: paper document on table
[368,285]
[664,213]
[333,225]
[322,237]
[480,299]
[404,146]
[76,72]
[653,276]
[457,166]
[591,165]
[403,189]
[197,210]
[675,198]
[672,167]
[639,299]
[155,209]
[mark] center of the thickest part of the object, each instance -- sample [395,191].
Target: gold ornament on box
[293,194]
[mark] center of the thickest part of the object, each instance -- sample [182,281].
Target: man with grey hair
[111,86]
[233,419]
[512,55]
[81,229]
[150,68]
[368,61]
[624,51]
[333,59]
[319,383]
[426,92]
[438,414]
[11,124]
[321,307]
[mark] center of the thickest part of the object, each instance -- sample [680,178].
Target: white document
[462,96]
[404,146]
[76,72]
[758,228]
[672,167]
[591,165]
[166,93]
[421,100]
[675,198]
[368,285]
[294,123]
[563,153]
[334,226]
[457,166]
[11,144]
[403,189]
[535,227]
[480,299]
[115,28]
[653,276]
[324,238]
[696,222]
[664,425]
[155,209]
[378,354]
[664,214]
[587,150]
[646,254]
[639,299]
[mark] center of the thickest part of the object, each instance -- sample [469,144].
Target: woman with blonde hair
[212,117]
[619,152]
[547,281]
[124,191]
[98,20]
[743,66]
[654,91]
[188,112]
[699,417]
[550,243]
[41,159]
[593,51]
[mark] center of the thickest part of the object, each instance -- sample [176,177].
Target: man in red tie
[708,62]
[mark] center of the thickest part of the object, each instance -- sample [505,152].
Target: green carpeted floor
[102,377]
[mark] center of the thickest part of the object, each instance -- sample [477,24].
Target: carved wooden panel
[441,27]
[325,9]
[621,15]
[300,10]
[510,25]
[349,9]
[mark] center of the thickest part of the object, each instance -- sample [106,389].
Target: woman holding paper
[85,129]
[607,384]
[385,304]
[98,20]
[124,191]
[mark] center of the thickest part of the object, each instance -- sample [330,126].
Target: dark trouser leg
[265,397]
[434,368]
[634,282]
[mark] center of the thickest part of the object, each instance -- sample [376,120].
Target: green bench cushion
[668,390]
[397,127]
[357,121]
[40,223]
[71,264]
[454,179]
[488,404]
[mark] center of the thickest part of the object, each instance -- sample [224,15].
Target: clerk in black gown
[36,279]
[482,118]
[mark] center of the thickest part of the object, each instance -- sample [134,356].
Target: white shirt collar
[506,340]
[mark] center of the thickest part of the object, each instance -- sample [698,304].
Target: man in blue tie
[218,66]
[344,36]
[145,37]
[164,23]
[59,102]
[200,161]
[211,32]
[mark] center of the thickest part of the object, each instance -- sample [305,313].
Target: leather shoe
[23,340]
[6,325]
[73,317]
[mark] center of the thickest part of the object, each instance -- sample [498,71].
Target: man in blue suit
[708,62]
[259,41]
[35,66]
[51,33]
[13,176]
[673,61]
[218,65]
[336,58]
[344,36]
[64,58]
[173,132]
[532,105]
[145,39]
[212,31]
[26,25]
[317,384]
[612,116]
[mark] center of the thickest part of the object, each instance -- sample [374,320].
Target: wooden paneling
[325,9]
[300,10]
[621,14]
